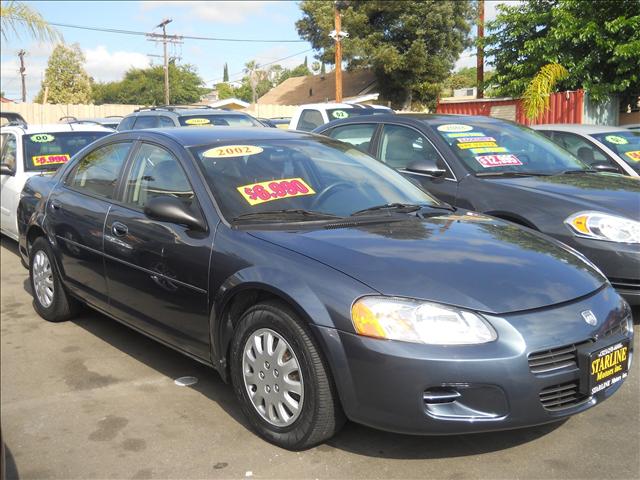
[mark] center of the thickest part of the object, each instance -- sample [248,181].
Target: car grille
[554,358]
[625,284]
[559,397]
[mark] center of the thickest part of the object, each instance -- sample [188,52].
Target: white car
[598,145]
[311,116]
[28,150]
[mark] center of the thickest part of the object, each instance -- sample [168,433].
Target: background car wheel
[50,299]
[281,380]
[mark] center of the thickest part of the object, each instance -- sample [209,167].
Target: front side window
[9,150]
[400,146]
[97,172]
[47,151]
[310,119]
[319,175]
[581,148]
[155,173]
[357,135]
[501,147]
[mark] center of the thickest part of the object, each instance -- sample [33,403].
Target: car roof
[193,136]
[341,105]
[413,118]
[58,127]
[184,112]
[579,128]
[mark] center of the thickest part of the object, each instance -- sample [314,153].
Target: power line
[184,37]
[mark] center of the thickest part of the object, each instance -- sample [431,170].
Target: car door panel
[10,185]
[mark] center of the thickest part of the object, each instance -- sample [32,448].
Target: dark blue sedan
[323,284]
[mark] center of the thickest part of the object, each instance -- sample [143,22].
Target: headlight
[604,226]
[419,322]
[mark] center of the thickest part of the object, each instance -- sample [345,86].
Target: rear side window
[148,121]
[166,122]
[126,124]
[97,172]
[357,135]
[310,119]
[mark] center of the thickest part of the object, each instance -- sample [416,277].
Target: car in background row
[110,121]
[511,172]
[27,150]
[176,116]
[311,116]
[598,145]
[280,259]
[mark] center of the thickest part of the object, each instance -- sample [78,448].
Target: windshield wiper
[568,172]
[308,214]
[512,174]
[401,208]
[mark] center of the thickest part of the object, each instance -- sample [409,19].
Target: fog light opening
[439,395]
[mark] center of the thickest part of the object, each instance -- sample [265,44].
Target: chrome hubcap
[43,279]
[272,377]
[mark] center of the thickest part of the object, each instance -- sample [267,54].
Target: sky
[110,55]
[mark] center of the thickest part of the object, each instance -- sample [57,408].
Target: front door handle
[55,205]
[119,229]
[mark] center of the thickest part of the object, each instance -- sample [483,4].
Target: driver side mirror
[5,169]
[173,210]
[425,167]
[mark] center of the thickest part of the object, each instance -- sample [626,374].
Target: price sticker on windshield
[42,138]
[197,121]
[465,134]
[488,150]
[488,161]
[475,139]
[634,155]
[616,139]
[228,151]
[455,127]
[464,146]
[257,193]
[339,114]
[56,159]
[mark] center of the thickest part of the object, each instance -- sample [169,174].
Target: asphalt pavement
[90,398]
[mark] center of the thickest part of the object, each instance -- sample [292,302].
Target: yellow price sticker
[55,159]
[197,121]
[477,145]
[634,155]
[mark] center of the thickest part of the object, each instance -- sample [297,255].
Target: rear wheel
[282,382]
[50,299]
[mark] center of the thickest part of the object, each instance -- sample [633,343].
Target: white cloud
[218,11]
[107,66]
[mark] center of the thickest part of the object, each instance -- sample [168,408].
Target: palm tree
[536,96]
[252,69]
[15,16]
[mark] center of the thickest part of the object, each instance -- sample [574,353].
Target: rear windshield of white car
[625,144]
[219,121]
[338,113]
[47,151]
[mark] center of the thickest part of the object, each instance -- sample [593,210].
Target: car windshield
[219,120]
[47,151]
[338,113]
[496,148]
[319,175]
[625,143]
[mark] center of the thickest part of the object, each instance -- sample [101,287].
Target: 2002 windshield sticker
[257,193]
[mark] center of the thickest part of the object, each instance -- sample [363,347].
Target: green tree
[465,78]
[597,42]
[225,91]
[225,73]
[65,77]
[15,16]
[146,86]
[411,45]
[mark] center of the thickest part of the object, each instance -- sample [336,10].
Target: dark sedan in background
[511,172]
[274,257]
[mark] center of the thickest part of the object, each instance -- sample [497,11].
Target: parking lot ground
[91,398]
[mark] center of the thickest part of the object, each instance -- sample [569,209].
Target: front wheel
[281,380]
[50,299]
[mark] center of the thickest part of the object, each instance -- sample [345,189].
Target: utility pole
[337,36]
[21,54]
[165,39]
[480,50]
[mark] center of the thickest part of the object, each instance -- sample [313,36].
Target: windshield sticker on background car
[197,121]
[464,146]
[257,193]
[228,151]
[42,138]
[488,161]
[634,155]
[616,139]
[467,134]
[455,127]
[339,114]
[488,150]
[475,139]
[55,159]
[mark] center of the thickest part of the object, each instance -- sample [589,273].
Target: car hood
[464,259]
[610,192]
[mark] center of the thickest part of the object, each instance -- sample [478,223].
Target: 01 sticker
[634,155]
[488,161]
[257,193]
[55,159]
[228,151]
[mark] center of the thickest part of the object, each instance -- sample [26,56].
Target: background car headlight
[416,321]
[604,226]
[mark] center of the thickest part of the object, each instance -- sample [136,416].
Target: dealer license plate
[608,366]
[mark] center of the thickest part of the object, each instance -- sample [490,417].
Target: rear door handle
[119,229]
[55,205]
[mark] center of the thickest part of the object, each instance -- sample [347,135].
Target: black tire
[63,306]
[321,415]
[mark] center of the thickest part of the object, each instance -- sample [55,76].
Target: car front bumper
[426,389]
